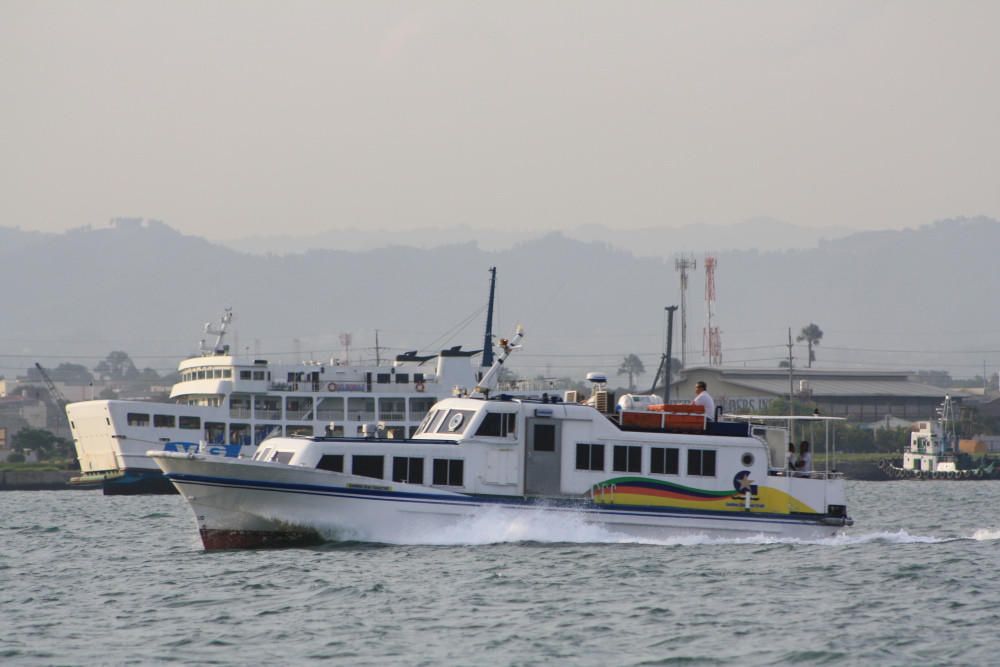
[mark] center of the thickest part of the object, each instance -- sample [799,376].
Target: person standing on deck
[703,398]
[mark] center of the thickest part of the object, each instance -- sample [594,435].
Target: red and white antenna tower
[711,344]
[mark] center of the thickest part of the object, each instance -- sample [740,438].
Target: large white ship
[226,405]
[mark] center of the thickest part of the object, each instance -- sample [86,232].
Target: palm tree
[812,335]
[632,367]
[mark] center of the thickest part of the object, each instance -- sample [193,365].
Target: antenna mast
[711,345]
[488,340]
[682,265]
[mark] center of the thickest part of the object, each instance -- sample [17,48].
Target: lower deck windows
[589,457]
[664,461]
[409,470]
[627,459]
[448,472]
[701,462]
[366,465]
[332,462]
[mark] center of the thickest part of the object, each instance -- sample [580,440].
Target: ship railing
[299,415]
[240,413]
[267,414]
[816,474]
[360,416]
[392,416]
[329,415]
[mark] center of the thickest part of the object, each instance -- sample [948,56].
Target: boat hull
[250,504]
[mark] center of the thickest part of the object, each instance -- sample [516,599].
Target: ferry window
[333,462]
[419,407]
[367,465]
[544,439]
[418,377]
[701,462]
[191,422]
[215,433]
[382,378]
[589,457]
[138,419]
[455,421]
[664,461]
[201,375]
[392,409]
[246,375]
[402,378]
[258,375]
[334,430]
[299,430]
[502,424]
[408,469]
[627,459]
[239,434]
[227,373]
[448,472]
[164,421]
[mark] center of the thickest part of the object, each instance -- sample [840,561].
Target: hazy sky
[226,119]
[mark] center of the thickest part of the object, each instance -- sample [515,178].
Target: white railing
[360,416]
[329,415]
[239,413]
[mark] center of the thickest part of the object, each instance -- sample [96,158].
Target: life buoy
[419,387]
[881,463]
[979,473]
[331,386]
[966,474]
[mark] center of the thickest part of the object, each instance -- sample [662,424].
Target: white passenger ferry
[638,472]
[227,406]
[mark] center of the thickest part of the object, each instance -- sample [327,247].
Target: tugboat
[934,452]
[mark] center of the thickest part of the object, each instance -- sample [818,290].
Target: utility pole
[791,390]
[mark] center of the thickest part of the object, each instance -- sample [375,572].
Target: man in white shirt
[703,398]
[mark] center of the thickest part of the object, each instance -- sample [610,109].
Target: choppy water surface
[92,580]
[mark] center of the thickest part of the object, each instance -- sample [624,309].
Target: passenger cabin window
[191,422]
[408,469]
[701,462]
[448,472]
[164,421]
[332,462]
[138,419]
[455,421]
[499,424]
[383,378]
[367,465]
[246,375]
[402,378]
[664,461]
[589,457]
[258,375]
[627,459]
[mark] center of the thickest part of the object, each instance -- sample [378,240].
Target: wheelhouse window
[664,461]
[164,421]
[246,375]
[282,457]
[408,469]
[455,421]
[367,465]
[589,457]
[448,472]
[627,458]
[701,462]
[138,419]
[383,378]
[498,424]
[332,462]
[402,378]
[190,422]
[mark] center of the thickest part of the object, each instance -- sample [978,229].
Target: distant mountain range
[913,299]
[761,233]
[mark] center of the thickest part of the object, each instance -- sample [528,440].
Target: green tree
[44,443]
[633,367]
[117,366]
[811,335]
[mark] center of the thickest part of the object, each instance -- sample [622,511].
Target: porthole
[747,460]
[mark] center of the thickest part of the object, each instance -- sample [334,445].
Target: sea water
[92,580]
